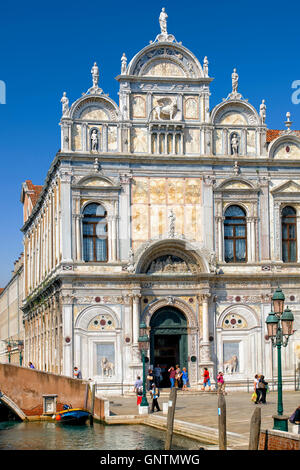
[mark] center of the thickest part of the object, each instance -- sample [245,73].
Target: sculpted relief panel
[191,108]
[163,68]
[92,113]
[138,106]
[139,140]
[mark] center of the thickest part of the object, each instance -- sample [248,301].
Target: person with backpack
[262,387]
[155,395]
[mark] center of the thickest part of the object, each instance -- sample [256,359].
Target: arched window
[94,233]
[289,235]
[235,235]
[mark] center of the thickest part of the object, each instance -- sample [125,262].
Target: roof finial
[95,76]
[288,122]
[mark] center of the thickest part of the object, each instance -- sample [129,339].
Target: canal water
[51,436]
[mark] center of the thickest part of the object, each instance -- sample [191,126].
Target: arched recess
[197,260]
[238,342]
[86,315]
[285,146]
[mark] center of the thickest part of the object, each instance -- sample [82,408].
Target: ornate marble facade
[132,219]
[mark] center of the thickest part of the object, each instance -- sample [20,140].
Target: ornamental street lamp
[280,328]
[144,346]
[20,348]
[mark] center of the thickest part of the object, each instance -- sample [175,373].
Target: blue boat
[72,415]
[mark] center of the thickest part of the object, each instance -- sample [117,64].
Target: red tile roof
[36,191]
[274,133]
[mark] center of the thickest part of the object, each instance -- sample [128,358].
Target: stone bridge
[22,391]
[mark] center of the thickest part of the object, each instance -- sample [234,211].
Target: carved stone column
[205,350]
[136,318]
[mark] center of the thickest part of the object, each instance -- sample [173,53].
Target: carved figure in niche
[234,144]
[172,219]
[235,81]
[166,109]
[94,140]
[231,365]
[108,368]
[65,103]
[123,63]
[95,75]
[262,111]
[163,21]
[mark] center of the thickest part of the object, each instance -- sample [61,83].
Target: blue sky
[49,48]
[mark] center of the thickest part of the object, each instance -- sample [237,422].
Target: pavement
[201,408]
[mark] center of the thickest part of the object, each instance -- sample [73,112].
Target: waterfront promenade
[200,411]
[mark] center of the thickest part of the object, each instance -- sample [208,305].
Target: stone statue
[65,104]
[235,81]
[172,219]
[94,138]
[123,63]
[262,111]
[95,75]
[163,21]
[205,66]
[234,144]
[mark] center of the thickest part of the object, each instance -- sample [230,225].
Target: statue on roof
[123,63]
[235,81]
[262,111]
[163,21]
[95,75]
[205,66]
[65,104]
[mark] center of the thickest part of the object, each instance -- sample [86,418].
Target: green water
[52,436]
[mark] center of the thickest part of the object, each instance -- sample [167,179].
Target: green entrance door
[168,341]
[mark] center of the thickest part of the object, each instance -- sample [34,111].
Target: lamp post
[280,328]
[20,348]
[144,346]
[8,347]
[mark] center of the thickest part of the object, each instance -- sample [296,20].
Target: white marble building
[164,210]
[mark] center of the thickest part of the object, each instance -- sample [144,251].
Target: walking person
[155,394]
[206,379]
[221,383]
[138,389]
[178,375]
[262,387]
[185,379]
[157,375]
[150,379]
[256,390]
[172,376]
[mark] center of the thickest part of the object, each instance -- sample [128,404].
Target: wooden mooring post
[92,404]
[255,429]
[222,422]
[170,418]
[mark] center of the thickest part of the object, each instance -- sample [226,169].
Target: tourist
[206,379]
[185,378]
[138,384]
[262,387]
[221,383]
[157,375]
[172,376]
[295,418]
[256,392]
[178,375]
[155,394]
[77,373]
[31,365]
[150,379]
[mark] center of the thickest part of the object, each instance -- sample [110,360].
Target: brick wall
[278,440]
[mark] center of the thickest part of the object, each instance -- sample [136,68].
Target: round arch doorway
[168,341]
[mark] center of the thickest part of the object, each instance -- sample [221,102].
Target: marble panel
[140,191]
[93,113]
[175,190]
[191,108]
[218,148]
[193,190]
[140,219]
[233,118]
[158,194]
[192,140]
[112,138]
[138,106]
[76,137]
[287,150]
[251,142]
[163,68]
[139,140]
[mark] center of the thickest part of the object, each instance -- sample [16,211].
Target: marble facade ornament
[165,109]
[164,36]
[65,104]
[94,141]
[123,64]
[205,66]
[234,144]
[234,95]
[262,111]
[288,123]
[95,78]
[172,218]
